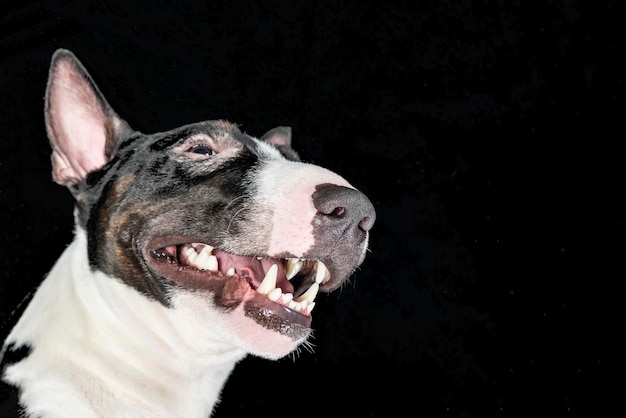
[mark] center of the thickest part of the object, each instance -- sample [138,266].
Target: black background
[488,134]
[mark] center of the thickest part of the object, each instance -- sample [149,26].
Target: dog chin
[265,334]
[256,325]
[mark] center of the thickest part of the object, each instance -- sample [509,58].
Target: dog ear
[280,137]
[81,125]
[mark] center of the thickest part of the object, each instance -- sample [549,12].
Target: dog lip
[195,265]
[276,316]
[229,292]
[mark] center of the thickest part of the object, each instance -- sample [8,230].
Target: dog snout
[344,210]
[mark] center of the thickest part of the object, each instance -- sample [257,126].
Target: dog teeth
[292,267]
[275,294]
[206,261]
[203,260]
[310,307]
[200,256]
[309,295]
[320,274]
[303,303]
[190,253]
[212,264]
[269,282]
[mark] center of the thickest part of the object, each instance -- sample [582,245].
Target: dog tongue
[253,268]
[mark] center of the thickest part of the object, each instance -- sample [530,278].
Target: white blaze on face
[286,188]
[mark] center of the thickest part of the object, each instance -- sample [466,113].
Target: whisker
[232,219]
[233,201]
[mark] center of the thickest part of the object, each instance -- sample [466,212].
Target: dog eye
[202,150]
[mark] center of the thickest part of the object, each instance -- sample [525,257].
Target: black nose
[344,210]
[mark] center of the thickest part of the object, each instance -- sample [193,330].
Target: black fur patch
[14,355]
[9,394]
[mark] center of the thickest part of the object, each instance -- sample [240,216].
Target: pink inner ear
[72,161]
[76,124]
[280,136]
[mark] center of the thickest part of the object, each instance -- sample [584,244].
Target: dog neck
[156,371]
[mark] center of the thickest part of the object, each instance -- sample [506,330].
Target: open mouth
[290,282]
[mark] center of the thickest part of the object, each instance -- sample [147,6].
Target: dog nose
[344,210]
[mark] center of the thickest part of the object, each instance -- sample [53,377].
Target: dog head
[233,233]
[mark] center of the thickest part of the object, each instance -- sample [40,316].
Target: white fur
[293,182]
[104,350]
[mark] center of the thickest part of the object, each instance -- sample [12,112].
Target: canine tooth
[269,282]
[275,294]
[230,272]
[320,274]
[310,307]
[292,267]
[309,295]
